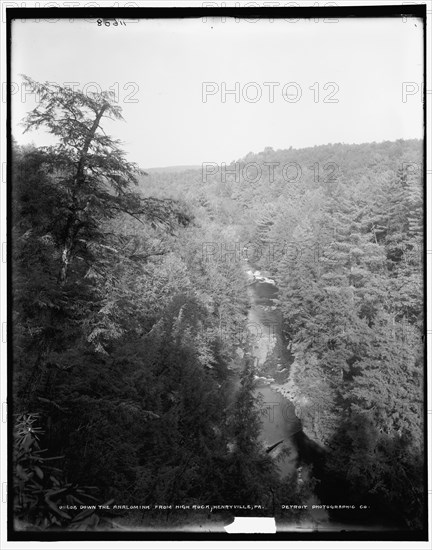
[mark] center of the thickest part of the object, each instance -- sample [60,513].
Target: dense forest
[133,375]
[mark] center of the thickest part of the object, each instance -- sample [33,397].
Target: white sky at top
[162,65]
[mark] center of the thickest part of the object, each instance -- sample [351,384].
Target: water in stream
[280,425]
[264,322]
[279,422]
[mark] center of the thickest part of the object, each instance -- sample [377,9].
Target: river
[264,323]
[281,430]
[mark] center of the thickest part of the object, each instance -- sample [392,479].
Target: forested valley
[134,381]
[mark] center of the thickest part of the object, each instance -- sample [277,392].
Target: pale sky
[162,65]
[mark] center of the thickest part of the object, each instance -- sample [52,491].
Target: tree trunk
[79,178]
[73,225]
[66,257]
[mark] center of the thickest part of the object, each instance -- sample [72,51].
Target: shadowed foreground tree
[88,168]
[66,198]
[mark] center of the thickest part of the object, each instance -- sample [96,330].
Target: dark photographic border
[372,11]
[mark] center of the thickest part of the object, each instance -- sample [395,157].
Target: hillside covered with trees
[133,381]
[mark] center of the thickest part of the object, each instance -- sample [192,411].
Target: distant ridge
[173,168]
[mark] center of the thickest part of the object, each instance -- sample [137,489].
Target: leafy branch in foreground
[42,492]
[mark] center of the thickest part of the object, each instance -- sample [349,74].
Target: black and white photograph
[216,258]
